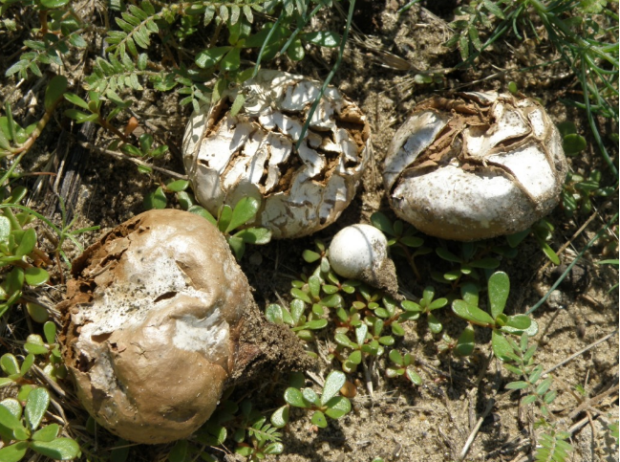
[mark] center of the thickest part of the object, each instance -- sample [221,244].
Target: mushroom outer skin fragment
[478,166]
[153,318]
[253,153]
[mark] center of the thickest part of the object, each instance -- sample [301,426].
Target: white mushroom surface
[474,167]
[154,312]
[361,252]
[254,153]
[358,249]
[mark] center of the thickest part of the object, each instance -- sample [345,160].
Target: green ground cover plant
[464,306]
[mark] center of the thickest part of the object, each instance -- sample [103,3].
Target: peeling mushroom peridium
[158,320]
[253,153]
[476,166]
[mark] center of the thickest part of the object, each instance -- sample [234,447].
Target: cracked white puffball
[361,252]
[477,166]
[253,153]
[153,315]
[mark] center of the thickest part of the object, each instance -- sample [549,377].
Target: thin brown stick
[580,352]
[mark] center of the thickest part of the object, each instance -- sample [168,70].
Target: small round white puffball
[358,252]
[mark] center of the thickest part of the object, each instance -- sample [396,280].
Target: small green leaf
[472,313]
[550,253]
[9,364]
[237,246]
[515,239]
[36,276]
[177,185]
[520,322]
[447,255]
[296,50]
[323,38]
[301,295]
[51,4]
[46,434]
[318,419]
[49,328]
[413,376]
[342,339]
[36,405]
[75,99]
[55,90]
[27,243]
[209,58]
[204,213]
[274,448]
[382,222]
[501,346]
[179,451]
[9,421]
[310,256]
[156,199]
[258,236]
[60,448]
[337,407]
[485,263]
[517,385]
[5,229]
[396,357]
[333,383]
[294,397]
[310,396]
[232,60]
[35,345]
[466,342]
[355,358]
[237,104]
[408,305]
[14,452]
[434,324]
[280,417]
[26,365]
[544,386]
[273,313]
[244,211]
[573,144]
[499,288]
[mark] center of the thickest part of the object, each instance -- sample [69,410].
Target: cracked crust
[253,153]
[474,167]
[158,319]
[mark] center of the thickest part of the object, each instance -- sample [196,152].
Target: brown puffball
[153,318]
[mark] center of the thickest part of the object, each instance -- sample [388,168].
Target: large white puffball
[303,186]
[358,249]
[476,166]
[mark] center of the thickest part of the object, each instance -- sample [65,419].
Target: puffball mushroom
[154,315]
[361,252]
[253,153]
[474,167]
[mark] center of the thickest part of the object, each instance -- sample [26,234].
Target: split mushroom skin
[153,316]
[474,167]
[253,153]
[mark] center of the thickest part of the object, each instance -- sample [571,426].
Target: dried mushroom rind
[477,166]
[154,315]
[253,153]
